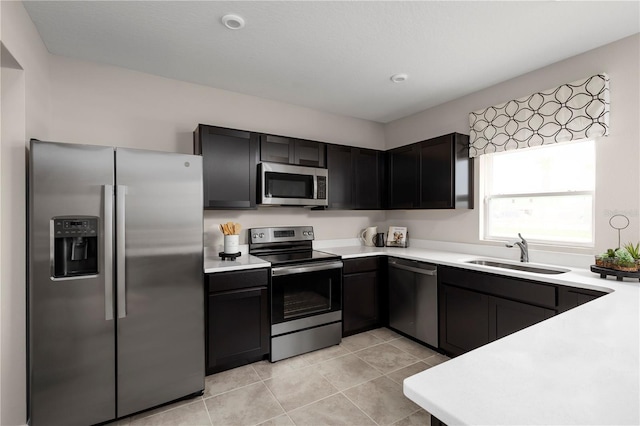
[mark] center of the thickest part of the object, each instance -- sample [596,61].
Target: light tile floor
[358,382]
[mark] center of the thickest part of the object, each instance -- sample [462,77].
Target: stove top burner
[286,245]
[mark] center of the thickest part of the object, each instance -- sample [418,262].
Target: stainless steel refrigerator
[115,286]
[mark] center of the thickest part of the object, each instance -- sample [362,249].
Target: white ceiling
[335,56]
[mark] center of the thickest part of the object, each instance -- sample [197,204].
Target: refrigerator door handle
[107,217]
[121,191]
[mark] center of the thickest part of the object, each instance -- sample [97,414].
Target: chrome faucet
[524,248]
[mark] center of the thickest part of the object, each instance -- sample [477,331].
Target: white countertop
[579,367]
[213,262]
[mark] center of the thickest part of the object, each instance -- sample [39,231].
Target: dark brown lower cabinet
[464,319]
[237,319]
[477,308]
[361,307]
[507,316]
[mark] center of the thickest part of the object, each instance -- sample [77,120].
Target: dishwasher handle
[432,271]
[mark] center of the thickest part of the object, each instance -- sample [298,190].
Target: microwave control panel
[322,188]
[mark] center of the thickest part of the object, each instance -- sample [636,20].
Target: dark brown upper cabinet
[340,168]
[280,149]
[356,178]
[404,177]
[368,176]
[229,165]
[432,174]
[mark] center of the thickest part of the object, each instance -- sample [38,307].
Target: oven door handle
[288,270]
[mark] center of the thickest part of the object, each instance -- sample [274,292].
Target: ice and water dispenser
[75,248]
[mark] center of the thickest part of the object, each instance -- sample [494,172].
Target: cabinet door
[464,319]
[436,173]
[229,160]
[360,309]
[309,153]
[508,316]
[403,177]
[402,300]
[238,324]
[280,149]
[276,149]
[339,165]
[368,178]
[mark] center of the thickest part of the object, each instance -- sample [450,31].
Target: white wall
[617,172]
[25,106]
[98,104]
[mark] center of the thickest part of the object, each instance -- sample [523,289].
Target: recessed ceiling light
[399,78]
[233,22]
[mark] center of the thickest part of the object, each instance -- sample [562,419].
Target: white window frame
[486,183]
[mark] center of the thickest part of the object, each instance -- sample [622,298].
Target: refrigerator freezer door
[160,348]
[71,331]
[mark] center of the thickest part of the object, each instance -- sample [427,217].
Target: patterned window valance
[572,111]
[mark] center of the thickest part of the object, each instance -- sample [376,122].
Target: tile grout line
[274,397]
[358,407]
[165,411]
[208,413]
[230,390]
[406,366]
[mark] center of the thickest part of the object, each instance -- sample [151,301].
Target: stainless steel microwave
[289,185]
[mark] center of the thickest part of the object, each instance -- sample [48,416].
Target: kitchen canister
[231,244]
[379,239]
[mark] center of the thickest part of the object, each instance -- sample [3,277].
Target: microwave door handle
[315,187]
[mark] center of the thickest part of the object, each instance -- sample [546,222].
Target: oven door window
[287,185]
[305,294]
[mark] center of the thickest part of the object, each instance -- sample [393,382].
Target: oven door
[306,290]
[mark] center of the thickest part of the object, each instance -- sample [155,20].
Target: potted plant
[624,261]
[606,259]
[634,251]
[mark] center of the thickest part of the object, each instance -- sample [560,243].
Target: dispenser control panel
[80,227]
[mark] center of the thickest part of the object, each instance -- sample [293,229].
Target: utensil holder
[231,243]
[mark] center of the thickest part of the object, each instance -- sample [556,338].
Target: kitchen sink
[536,269]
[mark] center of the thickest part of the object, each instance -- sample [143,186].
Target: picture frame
[397,236]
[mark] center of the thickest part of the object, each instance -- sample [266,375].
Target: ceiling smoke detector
[233,22]
[399,78]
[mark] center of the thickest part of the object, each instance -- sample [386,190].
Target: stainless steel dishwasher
[413,299]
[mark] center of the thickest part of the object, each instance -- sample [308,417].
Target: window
[546,193]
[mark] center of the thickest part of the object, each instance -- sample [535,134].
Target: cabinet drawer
[353,266]
[510,288]
[235,280]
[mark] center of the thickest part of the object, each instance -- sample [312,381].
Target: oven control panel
[281,234]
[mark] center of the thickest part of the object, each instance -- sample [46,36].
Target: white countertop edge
[536,256]
[576,277]
[235,266]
